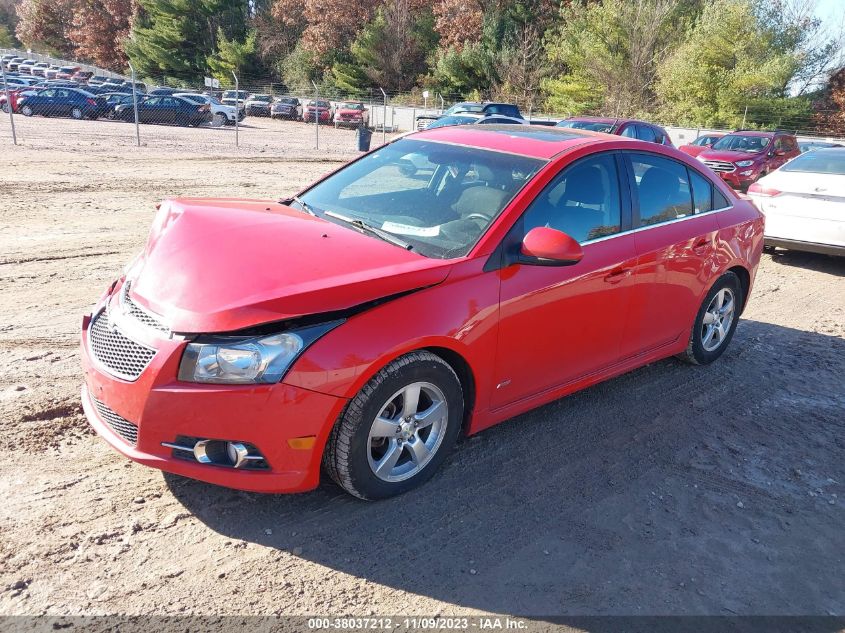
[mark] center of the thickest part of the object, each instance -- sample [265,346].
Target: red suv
[446,282]
[743,157]
[621,127]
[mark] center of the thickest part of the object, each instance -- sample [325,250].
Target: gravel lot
[671,490]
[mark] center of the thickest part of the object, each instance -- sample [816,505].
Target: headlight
[744,163]
[243,360]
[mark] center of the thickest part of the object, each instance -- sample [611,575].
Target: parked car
[67,72]
[405,309]
[351,113]
[26,66]
[743,157]
[472,107]
[96,80]
[112,86]
[170,110]
[51,72]
[235,98]
[163,91]
[220,114]
[632,128]
[13,65]
[114,99]
[62,102]
[287,108]
[472,118]
[82,76]
[702,143]
[38,69]
[259,105]
[809,146]
[320,110]
[21,81]
[14,96]
[804,202]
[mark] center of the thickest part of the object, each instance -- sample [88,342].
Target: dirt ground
[670,490]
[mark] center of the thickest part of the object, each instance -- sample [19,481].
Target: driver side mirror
[544,246]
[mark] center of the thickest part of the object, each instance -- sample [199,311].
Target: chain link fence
[47,98]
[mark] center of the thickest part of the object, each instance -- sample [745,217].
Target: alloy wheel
[76,113]
[718,319]
[407,431]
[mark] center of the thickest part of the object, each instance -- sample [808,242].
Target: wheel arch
[744,282]
[465,375]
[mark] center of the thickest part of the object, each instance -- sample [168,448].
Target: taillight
[204,108]
[91,102]
[762,190]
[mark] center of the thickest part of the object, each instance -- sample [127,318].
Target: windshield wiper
[369,228]
[303,205]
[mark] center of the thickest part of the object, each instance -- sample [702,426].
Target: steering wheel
[479,216]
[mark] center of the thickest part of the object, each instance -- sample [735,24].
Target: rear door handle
[617,275]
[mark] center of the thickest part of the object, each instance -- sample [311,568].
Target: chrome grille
[119,355]
[720,166]
[120,425]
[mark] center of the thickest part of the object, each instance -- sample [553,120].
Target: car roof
[764,133]
[535,141]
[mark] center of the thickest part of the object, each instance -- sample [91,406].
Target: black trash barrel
[364,137]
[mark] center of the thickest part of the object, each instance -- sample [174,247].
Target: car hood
[217,265]
[730,155]
[349,111]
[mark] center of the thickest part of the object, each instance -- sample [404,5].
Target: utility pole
[135,107]
[237,108]
[9,105]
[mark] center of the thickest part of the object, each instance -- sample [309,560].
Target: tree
[609,53]
[728,60]
[45,25]
[8,22]
[99,31]
[829,114]
[391,50]
[231,55]
[522,65]
[176,38]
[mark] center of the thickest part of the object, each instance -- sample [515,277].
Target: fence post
[9,105]
[316,113]
[384,118]
[135,107]
[442,102]
[743,117]
[237,109]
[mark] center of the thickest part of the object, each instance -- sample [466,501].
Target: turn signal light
[762,190]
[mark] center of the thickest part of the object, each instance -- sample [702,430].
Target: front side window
[645,133]
[630,131]
[583,201]
[662,188]
[438,198]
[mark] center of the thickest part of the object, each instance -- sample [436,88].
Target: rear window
[821,161]
[594,126]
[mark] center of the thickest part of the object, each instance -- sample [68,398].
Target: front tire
[398,429]
[716,321]
[27,111]
[76,113]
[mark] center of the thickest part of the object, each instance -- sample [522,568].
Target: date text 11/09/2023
[483,623]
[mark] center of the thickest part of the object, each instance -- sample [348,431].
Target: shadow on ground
[672,489]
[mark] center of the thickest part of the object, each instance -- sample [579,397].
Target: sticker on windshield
[407,229]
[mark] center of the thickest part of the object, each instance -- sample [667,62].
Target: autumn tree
[45,25]
[99,31]
[829,117]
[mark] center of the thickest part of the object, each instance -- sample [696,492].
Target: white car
[475,118]
[804,202]
[220,114]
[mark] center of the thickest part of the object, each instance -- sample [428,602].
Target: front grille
[141,315]
[119,355]
[120,425]
[720,166]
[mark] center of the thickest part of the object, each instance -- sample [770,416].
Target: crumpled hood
[216,265]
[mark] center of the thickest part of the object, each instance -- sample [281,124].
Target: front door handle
[617,275]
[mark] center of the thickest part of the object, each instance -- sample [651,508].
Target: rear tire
[26,111]
[76,113]
[398,429]
[716,321]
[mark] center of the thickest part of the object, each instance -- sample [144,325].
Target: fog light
[747,172]
[238,453]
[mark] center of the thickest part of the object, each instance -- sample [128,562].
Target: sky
[831,11]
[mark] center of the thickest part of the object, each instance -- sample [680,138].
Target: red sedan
[438,285]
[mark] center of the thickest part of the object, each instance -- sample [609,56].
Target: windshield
[438,198]
[742,143]
[704,140]
[464,107]
[287,100]
[820,161]
[352,106]
[264,98]
[594,126]
[452,120]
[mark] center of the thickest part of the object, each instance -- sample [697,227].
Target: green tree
[607,53]
[232,56]
[728,60]
[176,38]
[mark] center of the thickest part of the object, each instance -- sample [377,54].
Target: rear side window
[583,201]
[662,189]
[645,133]
[719,200]
[702,192]
[502,108]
